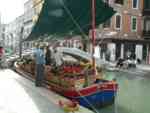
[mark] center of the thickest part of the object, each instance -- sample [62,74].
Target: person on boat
[40,61]
[108,53]
[48,56]
[57,60]
[58,57]
[138,60]
[120,63]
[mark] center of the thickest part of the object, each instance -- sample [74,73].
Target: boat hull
[98,95]
[98,99]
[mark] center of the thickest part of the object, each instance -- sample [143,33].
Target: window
[135,4]
[133,23]
[106,1]
[118,21]
[107,24]
[119,1]
[147,4]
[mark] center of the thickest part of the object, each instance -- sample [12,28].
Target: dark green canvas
[63,17]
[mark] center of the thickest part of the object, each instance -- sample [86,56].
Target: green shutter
[134,23]
[147,4]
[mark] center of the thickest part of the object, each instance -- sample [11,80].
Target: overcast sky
[10,9]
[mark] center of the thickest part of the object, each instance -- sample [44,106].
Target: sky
[10,9]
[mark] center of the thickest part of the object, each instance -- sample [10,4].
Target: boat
[75,79]
[79,78]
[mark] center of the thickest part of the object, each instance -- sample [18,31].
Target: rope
[74,21]
[93,107]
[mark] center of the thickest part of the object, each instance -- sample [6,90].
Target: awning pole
[93,33]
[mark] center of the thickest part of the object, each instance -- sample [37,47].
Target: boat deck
[19,95]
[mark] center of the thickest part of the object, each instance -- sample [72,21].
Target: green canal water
[133,95]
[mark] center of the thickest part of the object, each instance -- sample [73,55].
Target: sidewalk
[144,67]
[141,69]
[19,95]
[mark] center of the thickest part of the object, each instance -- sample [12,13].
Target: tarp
[68,17]
[81,55]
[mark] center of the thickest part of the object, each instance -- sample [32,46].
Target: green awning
[61,18]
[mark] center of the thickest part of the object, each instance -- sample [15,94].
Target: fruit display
[70,74]
[27,64]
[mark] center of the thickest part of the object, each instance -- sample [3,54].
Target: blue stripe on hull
[98,99]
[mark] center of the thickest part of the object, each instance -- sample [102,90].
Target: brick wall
[126,11]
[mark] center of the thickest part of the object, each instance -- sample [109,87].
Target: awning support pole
[93,33]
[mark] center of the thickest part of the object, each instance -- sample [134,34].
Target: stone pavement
[19,95]
[144,67]
[141,69]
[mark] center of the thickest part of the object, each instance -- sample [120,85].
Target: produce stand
[76,80]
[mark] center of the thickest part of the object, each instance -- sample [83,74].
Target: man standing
[48,56]
[40,61]
[58,57]
[57,60]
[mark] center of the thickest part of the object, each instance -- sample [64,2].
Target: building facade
[127,32]
[1,32]
[32,9]
[146,28]
[123,33]
[29,13]
[37,4]
[12,33]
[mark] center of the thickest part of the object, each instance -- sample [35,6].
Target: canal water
[133,95]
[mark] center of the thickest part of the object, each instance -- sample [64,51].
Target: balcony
[146,12]
[146,34]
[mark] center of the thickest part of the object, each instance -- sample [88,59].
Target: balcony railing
[146,33]
[146,12]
